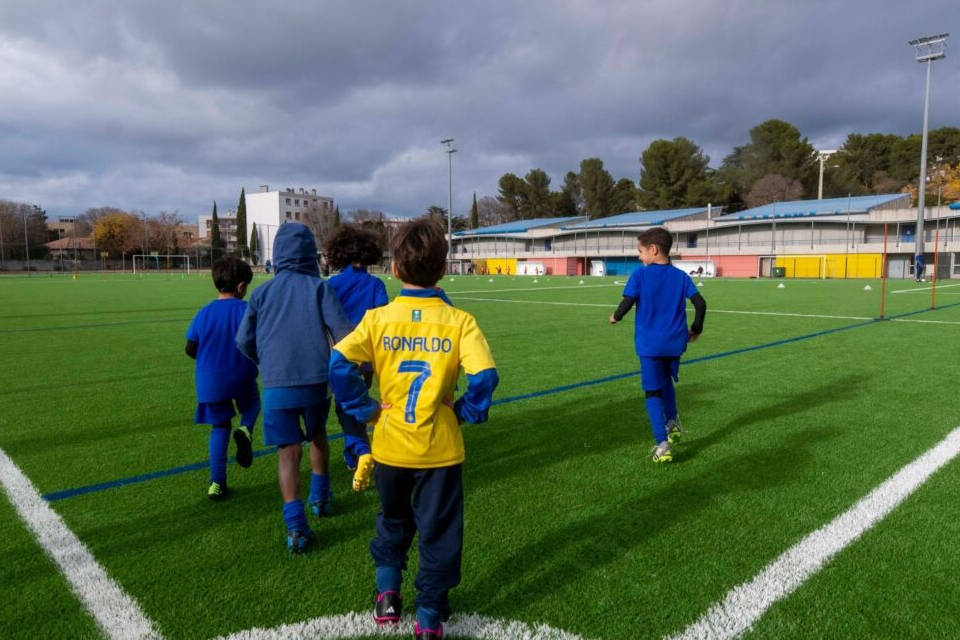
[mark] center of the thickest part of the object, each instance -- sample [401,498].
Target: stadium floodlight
[450,150]
[823,155]
[928,49]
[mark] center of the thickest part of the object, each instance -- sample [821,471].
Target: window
[288,215]
[288,200]
[691,240]
[297,215]
[296,202]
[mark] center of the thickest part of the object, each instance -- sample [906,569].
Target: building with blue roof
[833,237]
[827,207]
[519,226]
[642,218]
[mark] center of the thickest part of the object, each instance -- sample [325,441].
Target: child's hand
[612,319]
[692,337]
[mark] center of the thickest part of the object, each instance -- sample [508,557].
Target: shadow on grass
[521,442]
[535,568]
[839,390]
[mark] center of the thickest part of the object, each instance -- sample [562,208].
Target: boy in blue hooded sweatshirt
[287,330]
[351,249]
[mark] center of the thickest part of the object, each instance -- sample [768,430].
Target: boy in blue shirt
[660,291]
[223,376]
[351,250]
[417,344]
[287,330]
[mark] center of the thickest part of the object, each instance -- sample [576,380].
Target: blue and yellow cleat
[662,452]
[363,476]
[298,541]
[217,491]
[675,431]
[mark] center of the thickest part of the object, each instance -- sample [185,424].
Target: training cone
[581,282]
[781,286]
[490,280]
[700,284]
[535,281]
[868,288]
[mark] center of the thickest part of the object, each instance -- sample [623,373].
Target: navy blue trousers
[428,501]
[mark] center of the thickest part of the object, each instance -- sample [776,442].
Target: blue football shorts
[282,427]
[656,371]
[247,405]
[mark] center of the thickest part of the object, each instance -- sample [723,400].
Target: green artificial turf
[566,522]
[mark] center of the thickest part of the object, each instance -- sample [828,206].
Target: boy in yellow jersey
[417,345]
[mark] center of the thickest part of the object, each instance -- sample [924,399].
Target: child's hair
[657,237]
[420,252]
[350,244]
[229,272]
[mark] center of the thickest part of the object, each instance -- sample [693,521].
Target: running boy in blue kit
[223,376]
[351,250]
[417,345]
[660,291]
[287,330]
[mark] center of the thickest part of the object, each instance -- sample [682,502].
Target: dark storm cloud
[157,105]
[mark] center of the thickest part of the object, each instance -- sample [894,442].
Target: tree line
[778,163]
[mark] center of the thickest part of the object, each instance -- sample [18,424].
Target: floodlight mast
[450,150]
[928,49]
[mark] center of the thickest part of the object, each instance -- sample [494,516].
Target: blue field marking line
[95,325]
[197,466]
[112,484]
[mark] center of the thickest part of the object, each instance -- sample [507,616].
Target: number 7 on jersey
[414,366]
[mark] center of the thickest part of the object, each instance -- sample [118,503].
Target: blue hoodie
[292,319]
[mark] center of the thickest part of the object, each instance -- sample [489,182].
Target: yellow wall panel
[837,265]
[508,266]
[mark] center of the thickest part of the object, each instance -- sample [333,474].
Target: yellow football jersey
[417,346]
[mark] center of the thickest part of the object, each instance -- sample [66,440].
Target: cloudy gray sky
[171,105]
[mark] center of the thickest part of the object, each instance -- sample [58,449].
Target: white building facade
[270,209]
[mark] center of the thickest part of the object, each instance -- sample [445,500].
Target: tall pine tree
[474,213]
[254,245]
[336,217]
[216,242]
[242,225]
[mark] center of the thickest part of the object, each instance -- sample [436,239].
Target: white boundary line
[747,602]
[610,306]
[943,286]
[117,614]
[359,625]
[453,293]
[924,321]
[746,313]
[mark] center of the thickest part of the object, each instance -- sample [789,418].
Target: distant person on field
[224,378]
[417,345]
[287,330]
[352,249]
[660,292]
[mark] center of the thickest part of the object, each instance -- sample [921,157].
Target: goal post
[161,262]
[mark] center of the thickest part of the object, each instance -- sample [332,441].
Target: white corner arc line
[746,603]
[359,625]
[117,614]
